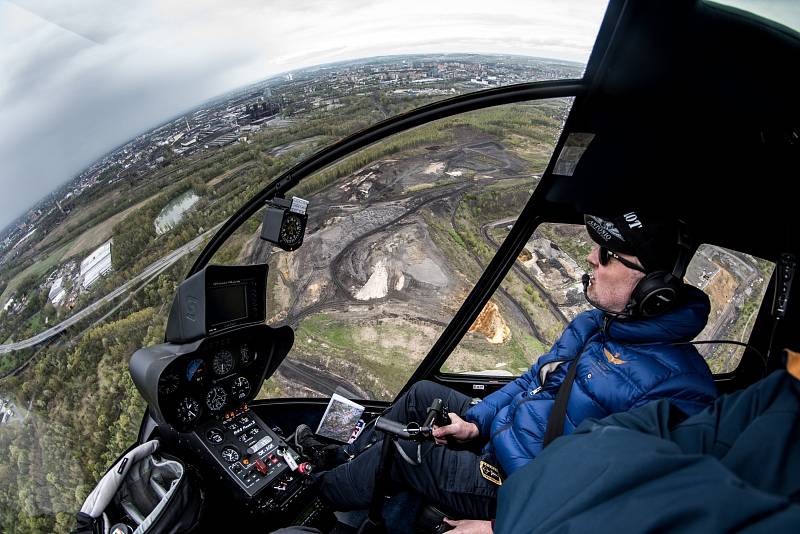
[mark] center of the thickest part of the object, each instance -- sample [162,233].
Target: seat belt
[555,423]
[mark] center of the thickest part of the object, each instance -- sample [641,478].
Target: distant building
[57,292]
[259,110]
[223,140]
[96,264]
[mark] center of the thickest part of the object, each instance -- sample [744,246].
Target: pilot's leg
[446,477]
[450,479]
[413,406]
[350,486]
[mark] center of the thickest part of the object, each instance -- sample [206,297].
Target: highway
[150,272]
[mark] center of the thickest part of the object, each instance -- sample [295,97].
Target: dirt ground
[491,325]
[720,290]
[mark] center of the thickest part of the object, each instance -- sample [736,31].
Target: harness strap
[555,422]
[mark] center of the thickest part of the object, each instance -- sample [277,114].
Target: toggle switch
[262,467]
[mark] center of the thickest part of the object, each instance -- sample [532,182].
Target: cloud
[79,78]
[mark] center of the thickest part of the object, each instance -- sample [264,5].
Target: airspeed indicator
[223,362]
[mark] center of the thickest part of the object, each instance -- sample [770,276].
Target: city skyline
[226,118]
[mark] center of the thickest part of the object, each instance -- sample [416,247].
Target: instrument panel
[188,384]
[208,382]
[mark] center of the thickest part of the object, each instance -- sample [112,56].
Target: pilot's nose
[593,258]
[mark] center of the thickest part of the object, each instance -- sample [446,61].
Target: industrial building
[57,291]
[97,263]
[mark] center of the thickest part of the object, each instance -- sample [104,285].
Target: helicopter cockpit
[444,242]
[636,134]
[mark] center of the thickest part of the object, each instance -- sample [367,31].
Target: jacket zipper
[543,382]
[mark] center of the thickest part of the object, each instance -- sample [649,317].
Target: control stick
[436,415]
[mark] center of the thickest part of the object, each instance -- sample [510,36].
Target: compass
[285,222]
[292,230]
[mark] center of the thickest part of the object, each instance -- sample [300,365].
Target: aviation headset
[659,291]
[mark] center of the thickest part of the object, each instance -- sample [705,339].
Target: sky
[80,78]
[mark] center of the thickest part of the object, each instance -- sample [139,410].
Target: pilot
[630,350]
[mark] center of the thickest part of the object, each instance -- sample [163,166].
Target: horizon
[81,79]
[222,96]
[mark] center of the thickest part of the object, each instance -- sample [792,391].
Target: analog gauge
[188,410]
[291,229]
[216,397]
[245,357]
[215,436]
[168,383]
[223,362]
[195,370]
[240,388]
[230,455]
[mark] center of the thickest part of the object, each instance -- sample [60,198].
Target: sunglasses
[606,255]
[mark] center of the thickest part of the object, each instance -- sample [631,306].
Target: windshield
[131,133]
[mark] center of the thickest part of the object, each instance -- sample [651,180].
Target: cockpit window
[786,12]
[735,284]
[398,233]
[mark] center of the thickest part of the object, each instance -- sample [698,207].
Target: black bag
[144,492]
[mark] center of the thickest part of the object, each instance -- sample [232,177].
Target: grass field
[379,354]
[39,269]
[225,175]
[78,217]
[100,233]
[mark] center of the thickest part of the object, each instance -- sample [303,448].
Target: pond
[173,212]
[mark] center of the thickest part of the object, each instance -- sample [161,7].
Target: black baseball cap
[654,240]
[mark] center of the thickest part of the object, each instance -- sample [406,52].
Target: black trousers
[447,477]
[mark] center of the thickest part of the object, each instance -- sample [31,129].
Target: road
[151,271]
[320,380]
[543,292]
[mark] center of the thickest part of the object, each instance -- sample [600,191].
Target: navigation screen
[226,304]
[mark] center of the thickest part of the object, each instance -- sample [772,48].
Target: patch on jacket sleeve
[793,363]
[491,473]
[612,358]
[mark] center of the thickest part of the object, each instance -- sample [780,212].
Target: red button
[305,468]
[273,459]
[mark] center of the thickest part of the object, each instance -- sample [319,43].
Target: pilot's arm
[483,413]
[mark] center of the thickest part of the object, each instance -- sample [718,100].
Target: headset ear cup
[655,294]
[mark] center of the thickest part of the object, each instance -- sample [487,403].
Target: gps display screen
[225,304]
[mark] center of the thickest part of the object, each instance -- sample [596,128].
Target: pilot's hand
[469,526]
[459,429]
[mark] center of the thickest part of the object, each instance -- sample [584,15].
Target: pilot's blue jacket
[623,364]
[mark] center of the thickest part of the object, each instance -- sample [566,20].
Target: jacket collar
[681,324]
